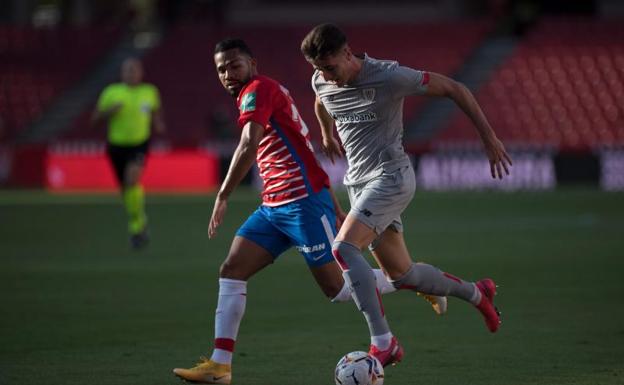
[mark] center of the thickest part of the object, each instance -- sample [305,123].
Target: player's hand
[331,148]
[158,122]
[160,127]
[218,212]
[499,159]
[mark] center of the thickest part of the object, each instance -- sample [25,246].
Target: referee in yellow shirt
[130,108]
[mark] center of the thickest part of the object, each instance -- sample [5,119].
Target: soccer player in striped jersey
[298,208]
[364,98]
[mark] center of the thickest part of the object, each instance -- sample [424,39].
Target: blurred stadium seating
[559,92]
[563,87]
[37,65]
[182,66]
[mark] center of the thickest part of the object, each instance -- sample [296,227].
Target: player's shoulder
[380,67]
[261,82]
[149,87]
[316,77]
[319,84]
[147,90]
[114,87]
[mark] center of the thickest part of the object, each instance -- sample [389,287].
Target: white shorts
[379,202]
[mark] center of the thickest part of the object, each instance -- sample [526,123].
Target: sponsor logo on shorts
[310,249]
[356,118]
[366,212]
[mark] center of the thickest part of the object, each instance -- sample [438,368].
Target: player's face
[131,72]
[235,69]
[335,68]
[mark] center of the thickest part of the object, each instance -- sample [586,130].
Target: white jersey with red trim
[285,157]
[369,115]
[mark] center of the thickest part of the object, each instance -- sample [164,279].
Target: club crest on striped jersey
[368,94]
[248,103]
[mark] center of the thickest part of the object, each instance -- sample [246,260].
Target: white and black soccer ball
[359,368]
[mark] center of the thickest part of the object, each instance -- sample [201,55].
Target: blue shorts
[309,224]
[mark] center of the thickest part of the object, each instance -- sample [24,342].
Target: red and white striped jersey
[285,157]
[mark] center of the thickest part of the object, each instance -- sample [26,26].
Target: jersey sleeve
[313,83]
[406,81]
[106,99]
[256,104]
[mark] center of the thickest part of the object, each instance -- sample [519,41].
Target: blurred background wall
[549,75]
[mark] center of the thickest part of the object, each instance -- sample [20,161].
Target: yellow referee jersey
[130,125]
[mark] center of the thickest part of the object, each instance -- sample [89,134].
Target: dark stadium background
[77,306]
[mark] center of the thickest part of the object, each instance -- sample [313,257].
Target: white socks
[230,310]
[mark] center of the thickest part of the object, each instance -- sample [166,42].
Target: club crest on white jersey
[368,94]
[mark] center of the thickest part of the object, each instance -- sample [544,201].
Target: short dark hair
[229,43]
[323,40]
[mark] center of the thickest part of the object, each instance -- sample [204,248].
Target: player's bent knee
[339,250]
[243,266]
[131,180]
[233,270]
[132,174]
[331,290]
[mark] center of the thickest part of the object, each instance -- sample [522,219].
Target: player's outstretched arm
[242,160]
[440,85]
[330,145]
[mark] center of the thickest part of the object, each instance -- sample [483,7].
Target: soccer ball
[359,368]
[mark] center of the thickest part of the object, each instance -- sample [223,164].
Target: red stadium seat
[571,74]
[192,95]
[38,64]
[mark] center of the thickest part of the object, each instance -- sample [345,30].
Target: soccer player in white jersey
[364,98]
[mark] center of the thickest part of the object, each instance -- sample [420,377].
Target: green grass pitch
[78,307]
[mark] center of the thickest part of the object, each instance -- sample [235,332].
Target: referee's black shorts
[121,156]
